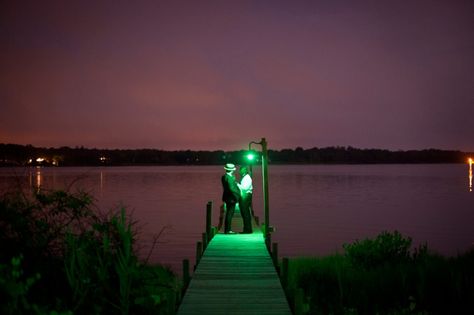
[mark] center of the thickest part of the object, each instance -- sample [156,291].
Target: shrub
[35,225]
[383,276]
[385,248]
[86,259]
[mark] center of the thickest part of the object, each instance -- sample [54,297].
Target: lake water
[314,208]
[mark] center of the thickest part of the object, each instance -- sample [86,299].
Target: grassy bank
[61,255]
[384,276]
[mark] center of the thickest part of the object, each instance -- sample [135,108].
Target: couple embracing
[234,193]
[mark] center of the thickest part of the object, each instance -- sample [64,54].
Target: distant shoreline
[28,155]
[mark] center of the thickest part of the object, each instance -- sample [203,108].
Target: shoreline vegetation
[59,254]
[384,275]
[28,155]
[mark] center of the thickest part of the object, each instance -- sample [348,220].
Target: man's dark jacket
[231,192]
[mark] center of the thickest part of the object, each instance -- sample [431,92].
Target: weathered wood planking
[235,276]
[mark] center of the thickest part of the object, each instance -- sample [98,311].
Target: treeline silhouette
[23,155]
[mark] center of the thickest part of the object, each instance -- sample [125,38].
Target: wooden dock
[235,275]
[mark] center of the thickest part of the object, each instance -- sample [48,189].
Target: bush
[384,276]
[36,225]
[391,248]
[86,260]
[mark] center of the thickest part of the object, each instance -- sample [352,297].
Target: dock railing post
[268,243]
[205,237]
[284,276]
[186,277]
[198,253]
[209,221]
[275,256]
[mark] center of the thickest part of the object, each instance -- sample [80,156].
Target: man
[245,198]
[230,196]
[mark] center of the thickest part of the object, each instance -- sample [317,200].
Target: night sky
[217,74]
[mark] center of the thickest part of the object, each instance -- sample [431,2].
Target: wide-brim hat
[229,167]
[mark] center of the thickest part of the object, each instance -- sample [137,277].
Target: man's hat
[229,167]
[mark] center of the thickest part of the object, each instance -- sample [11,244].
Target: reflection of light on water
[101,181]
[38,178]
[470,174]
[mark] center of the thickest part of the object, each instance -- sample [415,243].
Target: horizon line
[242,149]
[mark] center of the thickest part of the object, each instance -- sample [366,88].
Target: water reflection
[38,178]
[101,182]
[30,177]
[470,174]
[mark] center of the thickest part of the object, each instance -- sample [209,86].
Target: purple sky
[217,74]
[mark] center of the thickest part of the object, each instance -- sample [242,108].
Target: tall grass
[384,276]
[76,260]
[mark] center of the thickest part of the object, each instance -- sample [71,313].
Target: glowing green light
[250,156]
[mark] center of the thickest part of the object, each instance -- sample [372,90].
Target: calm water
[315,209]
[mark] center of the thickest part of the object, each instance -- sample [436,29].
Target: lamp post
[267,229]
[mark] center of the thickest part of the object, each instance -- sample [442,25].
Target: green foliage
[125,264]
[14,289]
[86,259]
[364,281]
[385,248]
[102,268]
[35,225]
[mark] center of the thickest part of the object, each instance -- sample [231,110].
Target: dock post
[284,272]
[204,241]
[268,242]
[275,257]
[209,220]
[198,253]
[186,277]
